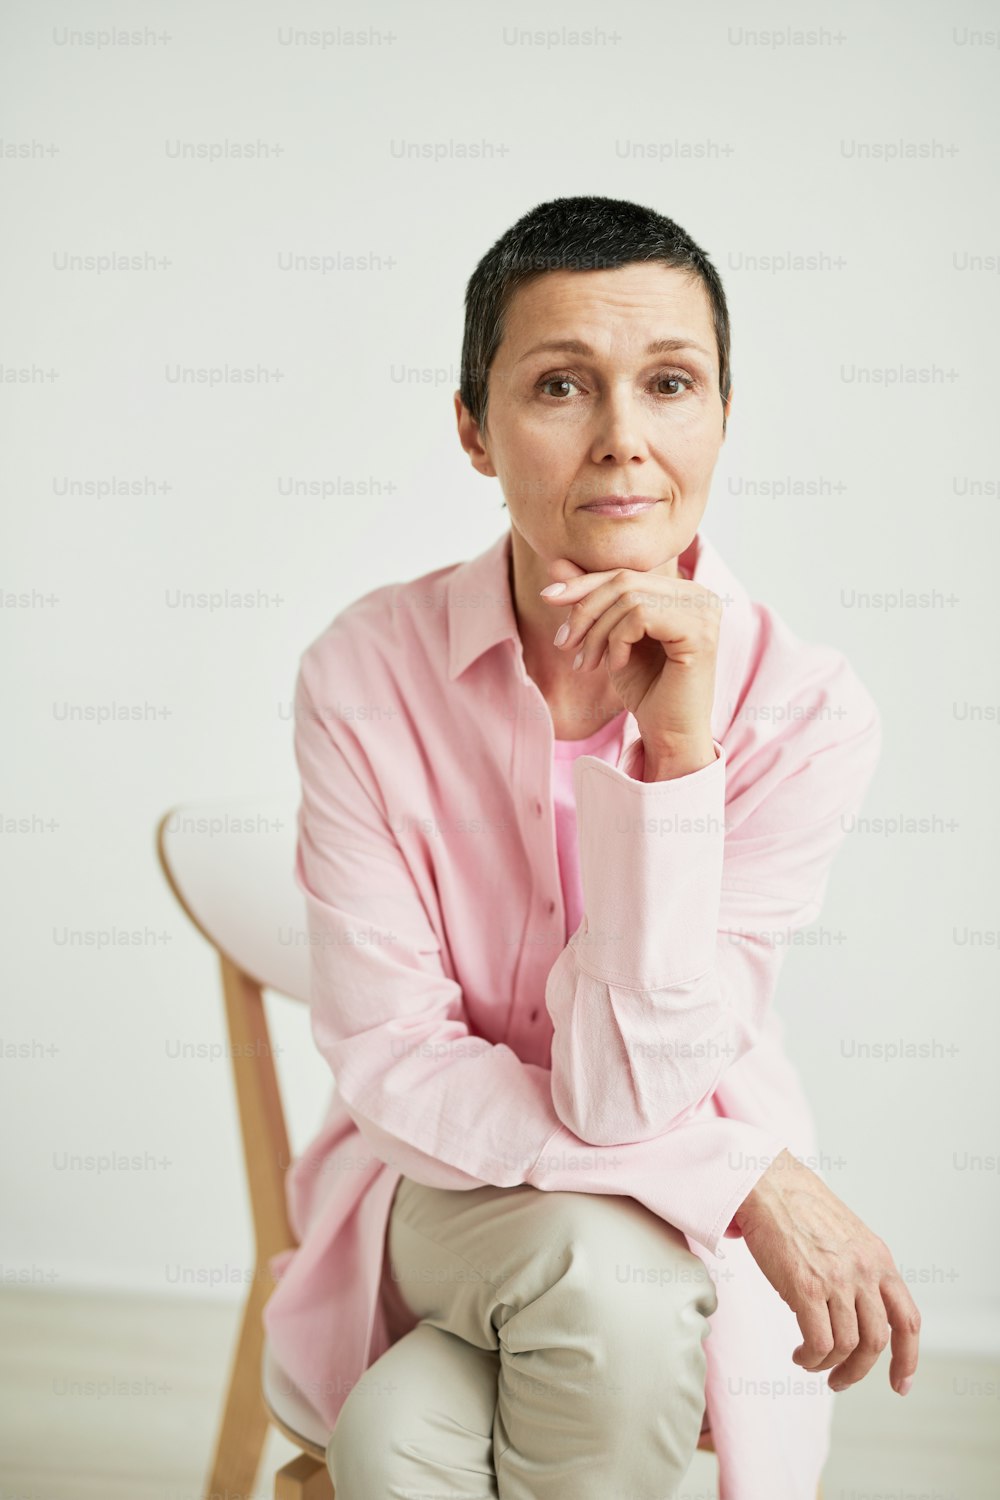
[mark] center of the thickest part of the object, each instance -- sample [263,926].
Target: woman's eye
[555,380]
[683,381]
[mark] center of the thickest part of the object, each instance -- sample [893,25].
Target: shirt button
[551,907]
[533,1016]
[537,808]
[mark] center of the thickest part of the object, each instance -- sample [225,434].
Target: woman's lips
[619,507]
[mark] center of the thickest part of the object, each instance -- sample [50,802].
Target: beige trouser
[548,1347]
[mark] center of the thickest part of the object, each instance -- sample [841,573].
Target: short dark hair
[575,234]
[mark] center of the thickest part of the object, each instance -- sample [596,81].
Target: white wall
[898,509]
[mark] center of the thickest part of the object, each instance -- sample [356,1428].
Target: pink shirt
[471,1043]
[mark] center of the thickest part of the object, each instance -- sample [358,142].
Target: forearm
[641,997]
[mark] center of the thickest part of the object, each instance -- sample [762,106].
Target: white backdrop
[840,168]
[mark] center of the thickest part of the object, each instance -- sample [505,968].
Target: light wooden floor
[66,1434]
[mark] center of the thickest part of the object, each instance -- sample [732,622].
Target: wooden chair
[229,864]
[237,888]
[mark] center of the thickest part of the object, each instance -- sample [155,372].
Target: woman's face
[565,426]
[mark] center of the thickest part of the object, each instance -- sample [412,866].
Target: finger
[616,631]
[627,631]
[631,611]
[632,625]
[844,1325]
[626,612]
[590,597]
[590,621]
[578,585]
[817,1334]
[904,1320]
[584,610]
[562,569]
[873,1335]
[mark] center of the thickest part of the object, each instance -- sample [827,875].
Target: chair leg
[245,1419]
[304,1478]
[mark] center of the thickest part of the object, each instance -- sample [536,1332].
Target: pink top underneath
[606,743]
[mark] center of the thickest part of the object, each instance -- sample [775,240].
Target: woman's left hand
[659,639]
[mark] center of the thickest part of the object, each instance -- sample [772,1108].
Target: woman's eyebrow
[576,346]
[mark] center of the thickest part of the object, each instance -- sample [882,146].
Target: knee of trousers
[429,1399]
[607,1269]
[353,1449]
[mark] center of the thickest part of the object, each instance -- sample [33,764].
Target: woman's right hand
[836,1275]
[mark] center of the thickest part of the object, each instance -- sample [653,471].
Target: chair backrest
[230,863]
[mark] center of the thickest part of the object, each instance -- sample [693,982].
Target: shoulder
[374,644]
[797,686]
[802,735]
[789,705]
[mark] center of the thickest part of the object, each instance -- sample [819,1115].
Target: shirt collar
[480,606]
[481,615]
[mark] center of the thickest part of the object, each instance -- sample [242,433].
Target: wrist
[764,1189]
[744,1214]
[665,762]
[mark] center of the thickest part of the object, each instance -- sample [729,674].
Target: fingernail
[577,660]
[560,635]
[904,1385]
[552,590]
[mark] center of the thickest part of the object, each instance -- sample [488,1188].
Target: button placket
[537,751]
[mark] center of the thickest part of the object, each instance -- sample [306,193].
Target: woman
[544,872]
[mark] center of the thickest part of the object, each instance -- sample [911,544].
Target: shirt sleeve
[692,888]
[447,1108]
